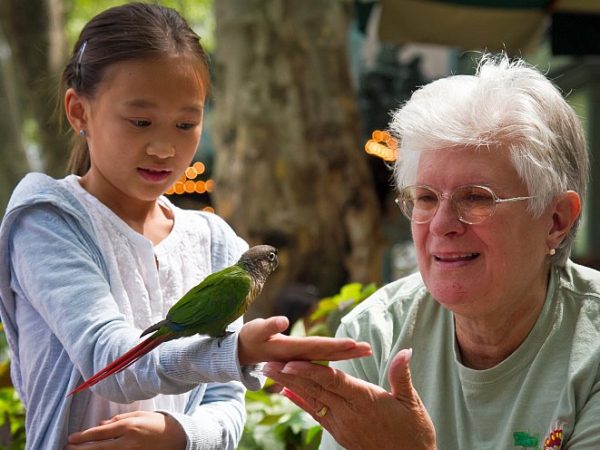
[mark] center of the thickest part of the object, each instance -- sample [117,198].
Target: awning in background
[515,26]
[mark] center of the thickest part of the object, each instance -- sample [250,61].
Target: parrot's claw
[222,337]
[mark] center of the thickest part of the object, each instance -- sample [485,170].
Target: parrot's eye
[272,256]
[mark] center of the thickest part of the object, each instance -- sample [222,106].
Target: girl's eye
[140,123]
[186,126]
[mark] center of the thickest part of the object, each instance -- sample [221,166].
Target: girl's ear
[566,211]
[75,108]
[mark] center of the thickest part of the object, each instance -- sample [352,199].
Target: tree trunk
[13,162]
[290,168]
[34,30]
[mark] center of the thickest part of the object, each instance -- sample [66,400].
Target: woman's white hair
[505,105]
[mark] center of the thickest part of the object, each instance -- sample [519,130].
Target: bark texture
[34,30]
[13,162]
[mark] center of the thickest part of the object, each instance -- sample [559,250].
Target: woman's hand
[261,340]
[135,430]
[359,414]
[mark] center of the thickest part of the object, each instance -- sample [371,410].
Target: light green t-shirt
[546,395]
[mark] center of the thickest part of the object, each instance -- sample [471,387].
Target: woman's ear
[75,109]
[567,208]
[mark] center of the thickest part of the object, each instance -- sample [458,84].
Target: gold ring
[322,411]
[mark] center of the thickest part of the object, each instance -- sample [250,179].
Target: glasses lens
[474,204]
[418,203]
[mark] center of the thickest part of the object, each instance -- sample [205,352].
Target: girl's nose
[160,149]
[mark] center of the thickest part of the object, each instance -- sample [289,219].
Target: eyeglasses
[473,204]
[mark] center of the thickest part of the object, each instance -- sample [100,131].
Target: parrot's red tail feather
[122,362]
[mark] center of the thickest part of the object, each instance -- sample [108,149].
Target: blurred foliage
[12,420]
[275,423]
[12,412]
[197,12]
[4,360]
[330,310]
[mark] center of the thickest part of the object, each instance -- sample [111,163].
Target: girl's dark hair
[126,32]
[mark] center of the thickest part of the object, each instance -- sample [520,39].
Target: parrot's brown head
[260,261]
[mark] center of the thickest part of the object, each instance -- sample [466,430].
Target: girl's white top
[145,295]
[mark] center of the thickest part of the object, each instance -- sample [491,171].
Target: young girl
[90,260]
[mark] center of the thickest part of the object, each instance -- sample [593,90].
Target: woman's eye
[186,126]
[140,123]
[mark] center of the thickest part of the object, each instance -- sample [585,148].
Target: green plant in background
[330,310]
[12,420]
[12,412]
[274,422]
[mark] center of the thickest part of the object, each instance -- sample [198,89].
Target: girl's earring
[552,252]
[82,133]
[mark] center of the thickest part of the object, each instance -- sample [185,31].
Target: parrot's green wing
[214,303]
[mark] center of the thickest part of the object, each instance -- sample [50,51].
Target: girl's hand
[261,340]
[135,430]
[359,414]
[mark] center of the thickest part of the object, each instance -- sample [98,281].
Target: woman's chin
[454,297]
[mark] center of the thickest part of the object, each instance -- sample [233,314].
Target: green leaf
[313,434]
[351,291]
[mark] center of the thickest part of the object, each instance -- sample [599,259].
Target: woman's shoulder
[580,281]
[579,299]
[393,300]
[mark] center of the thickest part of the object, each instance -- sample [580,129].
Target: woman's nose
[446,220]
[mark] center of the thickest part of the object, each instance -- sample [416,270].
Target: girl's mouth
[154,175]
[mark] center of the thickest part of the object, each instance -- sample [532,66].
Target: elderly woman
[503,329]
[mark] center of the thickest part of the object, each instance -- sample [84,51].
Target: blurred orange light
[199,167]
[179,187]
[185,183]
[380,150]
[191,173]
[378,135]
[189,186]
[383,145]
[200,187]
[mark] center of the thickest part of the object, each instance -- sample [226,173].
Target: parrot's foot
[223,336]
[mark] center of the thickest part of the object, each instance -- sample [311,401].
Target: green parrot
[207,308]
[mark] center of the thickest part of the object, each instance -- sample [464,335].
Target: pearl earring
[552,252]
[82,133]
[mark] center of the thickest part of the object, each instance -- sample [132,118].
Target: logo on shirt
[523,439]
[553,441]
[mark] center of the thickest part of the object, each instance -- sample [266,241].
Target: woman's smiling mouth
[456,257]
